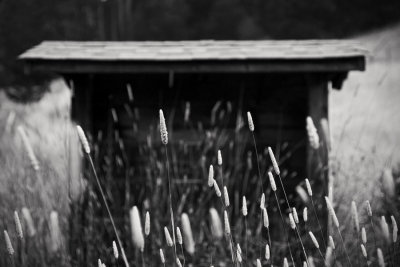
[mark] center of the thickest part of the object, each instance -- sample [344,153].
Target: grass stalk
[108,210]
[183,255]
[269,241]
[286,198]
[251,127]
[373,231]
[276,167]
[258,163]
[336,223]
[284,228]
[316,244]
[344,248]
[171,211]
[319,224]
[322,256]
[245,236]
[296,230]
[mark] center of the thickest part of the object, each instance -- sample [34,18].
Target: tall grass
[173,184]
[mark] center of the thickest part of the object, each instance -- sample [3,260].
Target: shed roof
[206,55]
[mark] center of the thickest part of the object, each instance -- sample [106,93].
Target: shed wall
[278,103]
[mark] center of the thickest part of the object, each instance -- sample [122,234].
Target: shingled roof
[328,54]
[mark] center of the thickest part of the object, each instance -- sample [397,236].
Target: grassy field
[365,118]
[365,125]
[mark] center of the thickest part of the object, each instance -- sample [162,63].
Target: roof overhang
[204,66]
[196,56]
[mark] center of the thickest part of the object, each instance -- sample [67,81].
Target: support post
[82,101]
[318,159]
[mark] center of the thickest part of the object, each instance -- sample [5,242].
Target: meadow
[62,219]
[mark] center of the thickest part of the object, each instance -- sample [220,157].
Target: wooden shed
[280,82]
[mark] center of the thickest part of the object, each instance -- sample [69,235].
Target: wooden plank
[204,66]
[189,50]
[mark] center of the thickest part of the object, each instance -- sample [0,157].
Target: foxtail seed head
[285,262]
[311,261]
[364,235]
[211,176]
[305,214]
[115,250]
[369,210]
[130,93]
[226,224]
[216,224]
[168,238]
[291,221]
[239,254]
[395,229]
[187,234]
[244,206]
[364,251]
[162,258]
[308,186]
[26,214]
[147,224]
[216,188]
[385,229]
[99,263]
[313,137]
[331,242]
[267,252]
[178,262]
[18,226]
[136,228]
[258,263]
[274,162]
[332,212]
[355,216]
[265,218]
[179,236]
[381,260]
[272,181]
[83,139]
[250,120]
[163,128]
[9,246]
[302,194]
[219,157]
[314,240]
[114,115]
[295,216]
[226,197]
[328,256]
[187,112]
[262,201]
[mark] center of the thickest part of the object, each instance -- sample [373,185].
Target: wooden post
[317,110]
[81,113]
[318,160]
[82,101]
